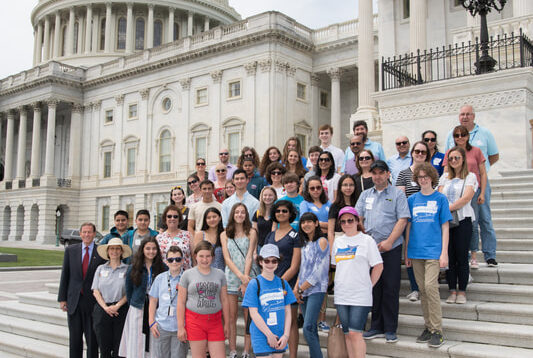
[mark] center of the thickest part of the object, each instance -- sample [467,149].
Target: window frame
[160,156]
[231,97]
[107,154]
[130,105]
[326,94]
[136,41]
[304,86]
[197,102]
[106,121]
[121,35]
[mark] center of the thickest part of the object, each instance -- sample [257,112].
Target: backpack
[249,320]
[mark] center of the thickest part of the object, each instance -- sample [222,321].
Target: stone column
[88,28]
[57,35]
[38,44]
[69,41]
[170,32]
[315,105]
[8,170]
[21,151]
[108,15]
[27,223]
[150,32]
[335,75]
[366,81]
[190,21]
[74,151]
[79,41]
[50,139]
[417,25]
[206,23]
[216,118]
[46,45]
[522,8]
[36,142]
[130,36]
[95,41]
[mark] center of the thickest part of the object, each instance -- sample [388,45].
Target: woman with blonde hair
[261,221]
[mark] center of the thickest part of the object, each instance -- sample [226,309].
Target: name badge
[437,161]
[413,183]
[369,203]
[121,275]
[138,242]
[272,319]
[172,311]
[104,273]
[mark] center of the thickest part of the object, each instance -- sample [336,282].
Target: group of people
[276,234]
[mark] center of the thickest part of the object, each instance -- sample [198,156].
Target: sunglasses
[192,182]
[176,187]
[402,143]
[270,261]
[172,216]
[460,135]
[315,188]
[174,259]
[200,163]
[324,160]
[282,211]
[455,158]
[368,157]
[276,172]
[418,151]
[223,153]
[430,140]
[355,143]
[248,155]
[347,221]
[221,170]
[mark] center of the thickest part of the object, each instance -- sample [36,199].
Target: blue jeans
[353,318]
[310,311]
[412,281]
[484,220]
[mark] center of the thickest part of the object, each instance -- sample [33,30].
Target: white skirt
[133,339]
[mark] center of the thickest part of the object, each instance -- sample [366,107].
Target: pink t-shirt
[474,157]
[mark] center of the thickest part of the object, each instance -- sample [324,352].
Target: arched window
[139,34]
[102,35]
[158,33]
[121,38]
[64,40]
[176,31]
[75,39]
[165,149]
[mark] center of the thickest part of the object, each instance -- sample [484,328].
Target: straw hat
[102,249]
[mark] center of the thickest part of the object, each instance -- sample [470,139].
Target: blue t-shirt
[296,201]
[321,213]
[270,306]
[428,213]
[286,247]
[167,304]
[437,160]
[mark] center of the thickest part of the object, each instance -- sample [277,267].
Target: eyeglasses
[348,185]
[221,170]
[403,142]
[282,211]
[367,157]
[223,153]
[315,188]
[174,259]
[200,163]
[418,151]
[347,221]
[172,216]
[455,158]
[355,143]
[460,135]
[427,140]
[270,261]
[192,182]
[276,172]
[423,177]
[324,160]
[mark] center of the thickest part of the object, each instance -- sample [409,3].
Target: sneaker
[492,263]
[373,333]
[436,340]
[391,337]
[323,326]
[232,354]
[474,264]
[413,296]
[461,299]
[424,337]
[245,355]
[451,298]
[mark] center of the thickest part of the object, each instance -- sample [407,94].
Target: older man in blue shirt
[384,212]
[361,128]
[400,161]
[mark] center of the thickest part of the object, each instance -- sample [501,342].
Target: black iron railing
[454,61]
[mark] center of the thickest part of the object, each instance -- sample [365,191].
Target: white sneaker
[413,296]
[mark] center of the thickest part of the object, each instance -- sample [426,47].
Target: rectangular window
[132,111]
[301,90]
[130,170]
[201,148]
[234,89]
[323,99]
[160,207]
[201,96]
[108,116]
[105,218]
[107,164]
[303,141]
[130,210]
[405,9]
[234,145]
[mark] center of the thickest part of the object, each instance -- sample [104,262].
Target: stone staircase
[496,322]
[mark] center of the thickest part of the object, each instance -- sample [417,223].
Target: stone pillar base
[369,115]
[49,180]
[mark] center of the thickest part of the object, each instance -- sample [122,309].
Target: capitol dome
[77,32]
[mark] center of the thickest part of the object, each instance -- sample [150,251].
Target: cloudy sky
[16,41]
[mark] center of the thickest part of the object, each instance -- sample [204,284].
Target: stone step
[517,173]
[5,354]
[29,347]
[28,311]
[517,257]
[513,233]
[41,331]
[522,222]
[39,299]
[515,245]
[517,184]
[514,194]
[503,213]
[53,287]
[496,203]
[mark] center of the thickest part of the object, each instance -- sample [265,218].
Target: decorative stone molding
[334,73]
[22,109]
[119,99]
[280,66]
[96,105]
[216,76]
[291,71]
[451,106]
[265,65]
[251,68]
[315,79]
[144,93]
[185,83]
[36,106]
[77,108]
[52,103]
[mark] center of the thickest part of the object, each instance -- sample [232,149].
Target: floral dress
[181,240]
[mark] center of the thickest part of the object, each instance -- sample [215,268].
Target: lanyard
[172,298]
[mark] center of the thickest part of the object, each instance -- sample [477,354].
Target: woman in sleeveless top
[211,230]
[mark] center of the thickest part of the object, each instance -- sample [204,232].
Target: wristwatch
[300,291]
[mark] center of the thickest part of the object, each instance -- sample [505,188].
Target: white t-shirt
[452,189]
[354,256]
[330,185]
[338,155]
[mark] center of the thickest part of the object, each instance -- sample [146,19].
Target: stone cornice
[48,80]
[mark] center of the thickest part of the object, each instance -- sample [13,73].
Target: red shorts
[204,327]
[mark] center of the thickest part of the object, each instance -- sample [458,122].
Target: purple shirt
[229,172]
[350,168]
